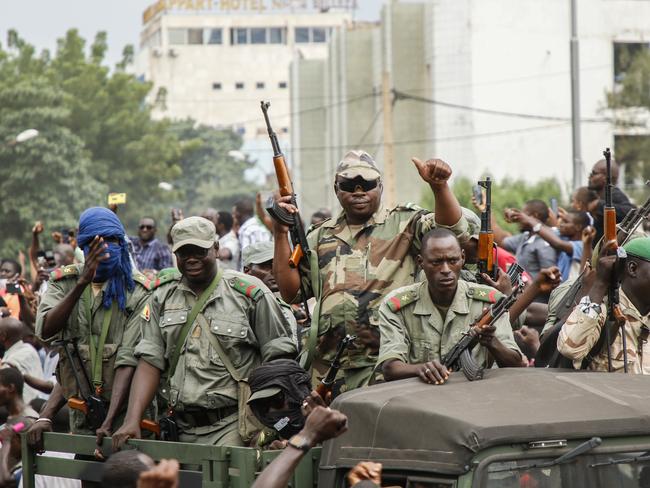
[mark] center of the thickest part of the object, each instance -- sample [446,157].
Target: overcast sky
[42,22]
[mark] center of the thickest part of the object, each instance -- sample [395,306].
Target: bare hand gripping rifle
[291,220]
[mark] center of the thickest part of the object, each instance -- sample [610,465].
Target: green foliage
[506,193]
[209,176]
[97,135]
[633,92]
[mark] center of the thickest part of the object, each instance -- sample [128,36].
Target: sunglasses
[350,186]
[187,252]
[142,227]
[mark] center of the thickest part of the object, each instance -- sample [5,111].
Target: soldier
[358,257]
[191,321]
[420,323]
[257,260]
[582,329]
[95,305]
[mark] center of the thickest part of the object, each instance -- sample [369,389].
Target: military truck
[520,428]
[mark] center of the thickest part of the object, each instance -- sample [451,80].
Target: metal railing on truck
[205,466]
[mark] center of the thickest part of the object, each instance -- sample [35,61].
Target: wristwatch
[537,227]
[299,442]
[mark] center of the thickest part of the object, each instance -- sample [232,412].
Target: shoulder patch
[484,294]
[399,300]
[313,227]
[165,276]
[408,206]
[64,271]
[245,287]
[142,279]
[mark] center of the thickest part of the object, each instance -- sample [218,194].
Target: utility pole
[575,98]
[389,160]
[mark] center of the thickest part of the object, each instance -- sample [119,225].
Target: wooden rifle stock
[151,426]
[486,245]
[282,174]
[78,404]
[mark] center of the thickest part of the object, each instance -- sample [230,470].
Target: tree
[506,193]
[210,177]
[48,178]
[631,99]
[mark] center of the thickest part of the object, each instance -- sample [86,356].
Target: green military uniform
[357,266]
[243,316]
[414,330]
[123,333]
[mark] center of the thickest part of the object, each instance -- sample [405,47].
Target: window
[216,86]
[258,36]
[239,36]
[195,36]
[302,34]
[239,85]
[282,84]
[277,35]
[177,36]
[213,36]
[624,53]
[319,34]
[259,85]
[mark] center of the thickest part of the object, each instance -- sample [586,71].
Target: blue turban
[116,270]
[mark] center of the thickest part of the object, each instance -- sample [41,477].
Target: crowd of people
[208,335]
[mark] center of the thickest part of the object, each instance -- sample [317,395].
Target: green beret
[639,247]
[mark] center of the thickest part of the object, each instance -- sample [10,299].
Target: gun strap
[196,309]
[96,352]
[312,338]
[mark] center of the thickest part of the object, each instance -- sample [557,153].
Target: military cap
[358,163]
[257,253]
[639,248]
[195,231]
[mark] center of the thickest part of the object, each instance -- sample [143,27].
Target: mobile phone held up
[13,289]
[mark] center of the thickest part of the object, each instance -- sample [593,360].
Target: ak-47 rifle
[291,220]
[91,404]
[615,317]
[324,389]
[459,356]
[486,261]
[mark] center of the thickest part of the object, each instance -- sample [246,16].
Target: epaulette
[64,272]
[142,279]
[399,300]
[484,294]
[408,206]
[245,287]
[165,276]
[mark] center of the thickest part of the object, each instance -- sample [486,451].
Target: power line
[406,96]
[370,127]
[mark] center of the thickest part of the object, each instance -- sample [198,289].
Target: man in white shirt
[19,354]
[250,229]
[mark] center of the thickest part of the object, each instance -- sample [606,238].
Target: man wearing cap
[257,260]
[205,328]
[582,329]
[95,305]
[361,255]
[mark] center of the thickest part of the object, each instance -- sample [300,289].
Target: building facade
[214,61]
[483,84]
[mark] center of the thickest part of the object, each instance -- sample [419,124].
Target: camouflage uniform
[357,266]
[582,329]
[123,334]
[413,330]
[244,317]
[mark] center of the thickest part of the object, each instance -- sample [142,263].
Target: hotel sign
[244,6]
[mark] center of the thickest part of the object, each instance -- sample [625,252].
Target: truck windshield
[623,470]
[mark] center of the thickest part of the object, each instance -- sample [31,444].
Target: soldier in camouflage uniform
[420,323]
[239,317]
[582,329]
[98,302]
[358,257]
